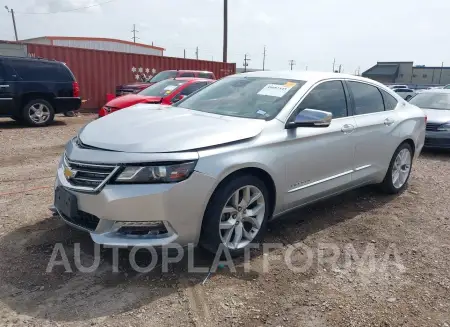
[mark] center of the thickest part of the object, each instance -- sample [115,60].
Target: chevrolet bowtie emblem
[69,173]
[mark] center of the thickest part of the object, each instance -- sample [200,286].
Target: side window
[192,88]
[367,98]
[389,101]
[40,71]
[328,96]
[187,74]
[205,75]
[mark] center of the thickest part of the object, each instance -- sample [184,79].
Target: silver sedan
[221,163]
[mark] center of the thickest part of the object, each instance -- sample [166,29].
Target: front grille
[432,126]
[437,142]
[84,220]
[88,175]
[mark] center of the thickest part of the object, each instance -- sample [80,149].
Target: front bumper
[438,140]
[180,206]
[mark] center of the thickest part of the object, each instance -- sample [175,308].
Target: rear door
[6,90]
[376,120]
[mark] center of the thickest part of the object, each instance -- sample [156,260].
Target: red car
[165,92]
[166,74]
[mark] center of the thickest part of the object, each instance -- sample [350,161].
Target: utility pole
[306,67]
[440,74]
[264,57]
[291,63]
[134,33]
[334,62]
[340,67]
[225,30]
[13,20]
[246,60]
[196,53]
[184,54]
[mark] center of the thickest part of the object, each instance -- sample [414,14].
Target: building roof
[381,69]
[95,39]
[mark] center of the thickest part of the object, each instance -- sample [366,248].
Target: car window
[243,96]
[205,75]
[328,96]
[192,88]
[163,75]
[187,74]
[162,88]
[367,98]
[438,101]
[389,101]
[41,71]
[2,72]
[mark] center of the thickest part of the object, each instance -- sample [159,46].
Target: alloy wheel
[39,113]
[401,168]
[242,217]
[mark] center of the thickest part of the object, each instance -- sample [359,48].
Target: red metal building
[98,72]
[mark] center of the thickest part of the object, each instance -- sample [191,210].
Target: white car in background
[406,94]
[394,87]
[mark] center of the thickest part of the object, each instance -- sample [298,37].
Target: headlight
[444,127]
[156,174]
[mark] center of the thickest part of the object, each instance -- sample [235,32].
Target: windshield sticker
[290,84]
[261,112]
[170,88]
[275,90]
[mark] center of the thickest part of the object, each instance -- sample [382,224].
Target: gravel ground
[408,283]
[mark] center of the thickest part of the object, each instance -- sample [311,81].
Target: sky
[354,33]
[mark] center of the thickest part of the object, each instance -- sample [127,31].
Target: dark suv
[32,90]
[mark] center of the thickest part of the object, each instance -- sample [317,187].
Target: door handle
[4,86]
[348,128]
[389,121]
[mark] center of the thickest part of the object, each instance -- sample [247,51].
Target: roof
[52,38]
[302,75]
[445,91]
[382,70]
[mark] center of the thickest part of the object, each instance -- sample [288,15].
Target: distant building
[404,72]
[96,43]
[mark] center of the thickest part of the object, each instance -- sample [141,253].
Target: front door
[319,160]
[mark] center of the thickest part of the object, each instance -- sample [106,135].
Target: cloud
[61,6]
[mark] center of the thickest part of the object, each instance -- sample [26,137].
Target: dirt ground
[410,233]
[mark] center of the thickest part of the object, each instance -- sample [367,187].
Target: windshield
[247,97]
[432,101]
[162,89]
[163,75]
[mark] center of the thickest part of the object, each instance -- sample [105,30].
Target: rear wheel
[236,215]
[38,113]
[397,176]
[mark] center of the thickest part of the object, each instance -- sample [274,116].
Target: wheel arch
[29,96]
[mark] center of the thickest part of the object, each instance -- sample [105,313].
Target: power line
[68,10]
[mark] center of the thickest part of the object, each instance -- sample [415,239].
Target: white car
[406,94]
[394,87]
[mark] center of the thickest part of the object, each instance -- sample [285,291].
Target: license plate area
[66,203]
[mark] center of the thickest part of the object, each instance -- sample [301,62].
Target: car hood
[437,116]
[131,99]
[156,128]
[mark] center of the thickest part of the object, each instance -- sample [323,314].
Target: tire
[47,113]
[212,236]
[70,113]
[391,185]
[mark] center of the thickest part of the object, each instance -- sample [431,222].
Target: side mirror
[177,98]
[311,118]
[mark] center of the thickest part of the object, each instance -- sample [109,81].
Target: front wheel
[236,215]
[397,176]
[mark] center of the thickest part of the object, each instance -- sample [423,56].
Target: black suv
[32,90]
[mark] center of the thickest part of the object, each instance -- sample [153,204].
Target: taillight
[75,89]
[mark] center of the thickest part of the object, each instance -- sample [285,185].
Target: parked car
[33,90]
[406,94]
[166,92]
[446,87]
[214,168]
[161,76]
[394,87]
[436,104]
